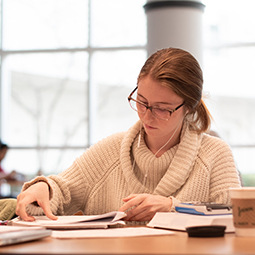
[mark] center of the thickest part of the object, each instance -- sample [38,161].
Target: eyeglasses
[160,113]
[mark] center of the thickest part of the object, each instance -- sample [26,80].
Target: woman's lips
[148,127]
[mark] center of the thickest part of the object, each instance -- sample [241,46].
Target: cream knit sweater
[199,168]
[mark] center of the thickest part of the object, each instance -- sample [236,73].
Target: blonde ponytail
[201,118]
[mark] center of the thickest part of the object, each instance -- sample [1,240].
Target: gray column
[175,24]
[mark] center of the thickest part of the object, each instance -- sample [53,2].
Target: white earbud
[139,137]
[139,140]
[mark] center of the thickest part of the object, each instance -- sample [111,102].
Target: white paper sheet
[110,232]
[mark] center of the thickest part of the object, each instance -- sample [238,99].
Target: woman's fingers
[142,207]
[46,209]
[39,193]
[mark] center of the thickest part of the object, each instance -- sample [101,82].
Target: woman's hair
[180,71]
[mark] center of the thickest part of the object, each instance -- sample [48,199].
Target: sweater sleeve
[69,190]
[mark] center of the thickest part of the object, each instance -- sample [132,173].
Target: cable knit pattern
[199,168]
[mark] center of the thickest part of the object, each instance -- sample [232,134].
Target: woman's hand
[142,207]
[38,192]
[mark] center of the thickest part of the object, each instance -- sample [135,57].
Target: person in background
[163,159]
[12,178]
[3,175]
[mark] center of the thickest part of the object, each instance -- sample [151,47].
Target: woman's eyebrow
[165,103]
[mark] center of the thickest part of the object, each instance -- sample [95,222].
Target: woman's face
[152,93]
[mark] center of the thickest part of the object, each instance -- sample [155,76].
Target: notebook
[180,221]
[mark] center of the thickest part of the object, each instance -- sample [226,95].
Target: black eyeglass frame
[151,107]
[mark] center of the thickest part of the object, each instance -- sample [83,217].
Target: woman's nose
[148,114]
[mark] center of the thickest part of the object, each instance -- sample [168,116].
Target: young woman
[165,158]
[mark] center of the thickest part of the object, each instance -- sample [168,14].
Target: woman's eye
[161,110]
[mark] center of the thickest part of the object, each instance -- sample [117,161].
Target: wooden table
[179,243]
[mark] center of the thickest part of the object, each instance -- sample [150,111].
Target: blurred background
[67,67]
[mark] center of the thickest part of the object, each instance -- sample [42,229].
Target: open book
[179,221]
[75,221]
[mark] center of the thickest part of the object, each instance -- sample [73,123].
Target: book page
[74,221]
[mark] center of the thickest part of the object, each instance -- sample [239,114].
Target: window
[67,68]
[229,60]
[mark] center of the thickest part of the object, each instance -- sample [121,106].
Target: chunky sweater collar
[179,168]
